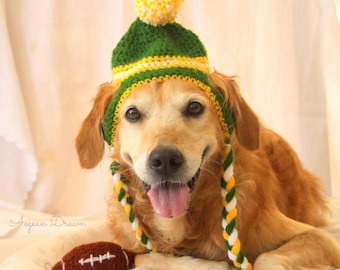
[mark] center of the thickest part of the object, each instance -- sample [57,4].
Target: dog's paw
[273,262]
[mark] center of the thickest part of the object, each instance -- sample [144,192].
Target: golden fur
[280,203]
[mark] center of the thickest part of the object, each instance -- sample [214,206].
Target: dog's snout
[166,161]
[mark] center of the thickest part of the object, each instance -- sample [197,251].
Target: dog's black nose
[166,161]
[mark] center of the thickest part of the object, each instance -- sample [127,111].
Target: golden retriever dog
[169,132]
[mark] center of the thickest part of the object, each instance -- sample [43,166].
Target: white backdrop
[54,54]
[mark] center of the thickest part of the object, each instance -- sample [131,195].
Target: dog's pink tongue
[169,201]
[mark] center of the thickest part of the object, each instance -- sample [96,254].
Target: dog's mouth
[190,184]
[170,198]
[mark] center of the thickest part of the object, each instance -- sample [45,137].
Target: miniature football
[97,255]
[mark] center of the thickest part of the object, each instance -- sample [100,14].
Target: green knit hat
[155,48]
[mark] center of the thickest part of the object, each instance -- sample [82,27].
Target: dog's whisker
[213,161]
[127,170]
[209,171]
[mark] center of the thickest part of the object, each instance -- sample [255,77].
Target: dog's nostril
[165,161]
[155,163]
[176,162]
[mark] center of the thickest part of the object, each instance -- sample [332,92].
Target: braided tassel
[126,200]
[229,214]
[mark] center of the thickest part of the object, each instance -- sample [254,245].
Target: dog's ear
[90,141]
[247,124]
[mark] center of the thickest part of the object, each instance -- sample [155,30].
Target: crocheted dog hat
[156,48]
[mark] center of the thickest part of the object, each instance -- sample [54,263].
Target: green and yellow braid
[229,214]
[126,200]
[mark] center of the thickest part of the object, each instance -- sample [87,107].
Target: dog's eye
[132,115]
[194,108]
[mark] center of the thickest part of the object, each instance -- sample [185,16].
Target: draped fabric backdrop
[55,53]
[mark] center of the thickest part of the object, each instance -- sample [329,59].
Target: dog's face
[166,131]
[169,136]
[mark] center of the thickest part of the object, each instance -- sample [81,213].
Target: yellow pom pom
[157,12]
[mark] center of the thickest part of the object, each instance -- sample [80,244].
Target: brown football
[97,255]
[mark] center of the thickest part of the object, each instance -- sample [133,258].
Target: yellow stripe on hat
[121,73]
